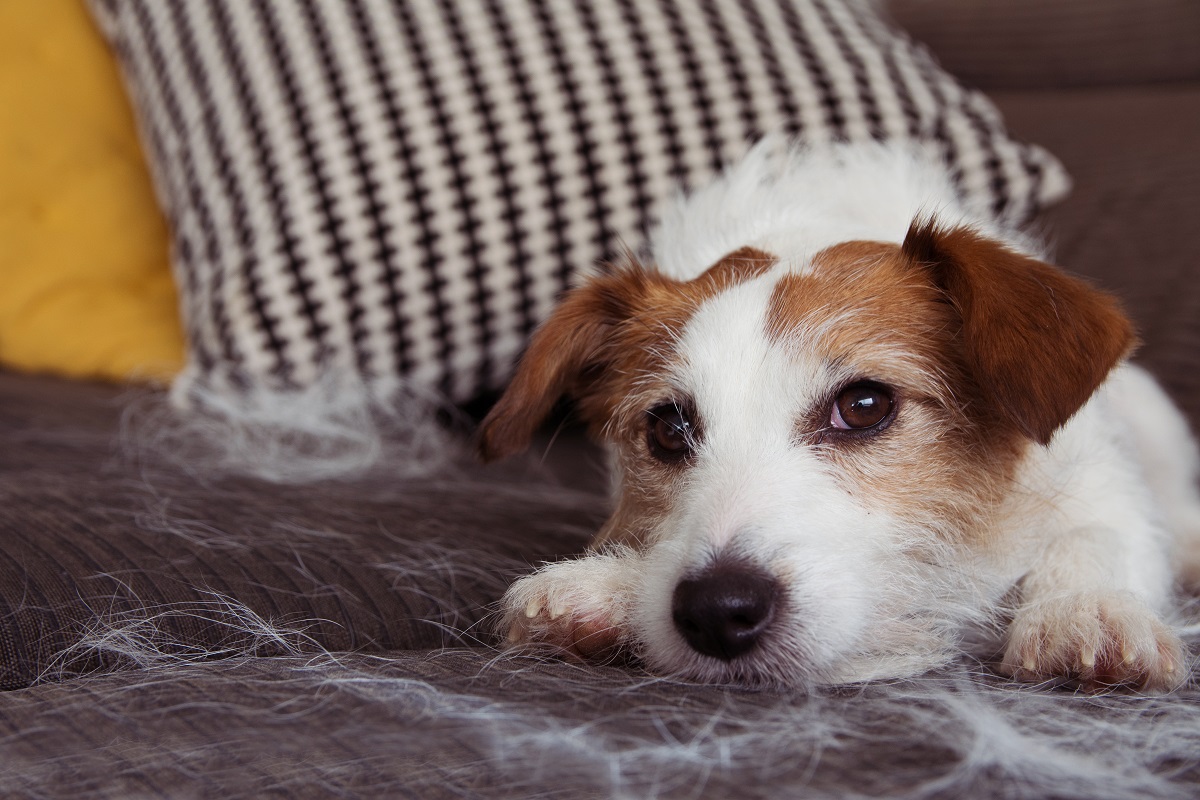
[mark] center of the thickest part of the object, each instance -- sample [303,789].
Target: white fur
[1088,531]
[785,201]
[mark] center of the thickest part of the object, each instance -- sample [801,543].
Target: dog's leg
[1079,619]
[1170,460]
[1093,600]
[578,606]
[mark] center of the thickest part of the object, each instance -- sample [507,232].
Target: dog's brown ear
[568,345]
[1037,341]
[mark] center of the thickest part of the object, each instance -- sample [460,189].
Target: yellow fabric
[85,282]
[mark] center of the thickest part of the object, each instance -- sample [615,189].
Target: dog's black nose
[723,611]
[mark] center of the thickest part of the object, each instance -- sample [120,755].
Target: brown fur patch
[862,305]
[867,314]
[986,350]
[603,338]
[632,382]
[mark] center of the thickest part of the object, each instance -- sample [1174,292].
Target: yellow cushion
[85,282]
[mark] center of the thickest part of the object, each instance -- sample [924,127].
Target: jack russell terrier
[850,420]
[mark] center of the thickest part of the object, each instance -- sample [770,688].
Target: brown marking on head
[860,304]
[1019,339]
[987,349]
[737,267]
[863,312]
[602,337]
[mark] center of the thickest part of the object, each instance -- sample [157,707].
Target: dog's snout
[723,611]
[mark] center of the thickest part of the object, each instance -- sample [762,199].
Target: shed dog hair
[850,421]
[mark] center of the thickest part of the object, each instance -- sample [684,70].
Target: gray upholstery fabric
[97,540]
[459,724]
[1035,44]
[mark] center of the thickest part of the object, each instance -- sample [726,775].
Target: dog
[853,422]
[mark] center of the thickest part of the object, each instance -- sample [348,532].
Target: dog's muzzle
[723,611]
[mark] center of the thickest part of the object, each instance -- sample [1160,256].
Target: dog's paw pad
[569,607]
[1099,641]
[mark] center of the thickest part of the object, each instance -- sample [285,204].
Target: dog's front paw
[575,606]
[1101,641]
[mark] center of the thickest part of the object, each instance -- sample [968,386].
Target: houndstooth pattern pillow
[400,189]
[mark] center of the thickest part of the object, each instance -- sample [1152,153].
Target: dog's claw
[1101,640]
[570,606]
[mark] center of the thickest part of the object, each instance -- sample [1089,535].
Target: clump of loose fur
[333,429]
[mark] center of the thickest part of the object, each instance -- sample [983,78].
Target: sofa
[169,628]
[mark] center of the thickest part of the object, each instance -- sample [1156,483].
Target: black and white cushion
[398,190]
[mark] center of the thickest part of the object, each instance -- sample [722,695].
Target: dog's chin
[782,669]
[773,664]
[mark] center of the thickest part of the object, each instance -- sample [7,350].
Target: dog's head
[809,454]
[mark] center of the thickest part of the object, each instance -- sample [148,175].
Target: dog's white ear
[1036,341]
[563,350]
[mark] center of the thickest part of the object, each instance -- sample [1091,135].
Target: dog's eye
[861,406]
[671,433]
